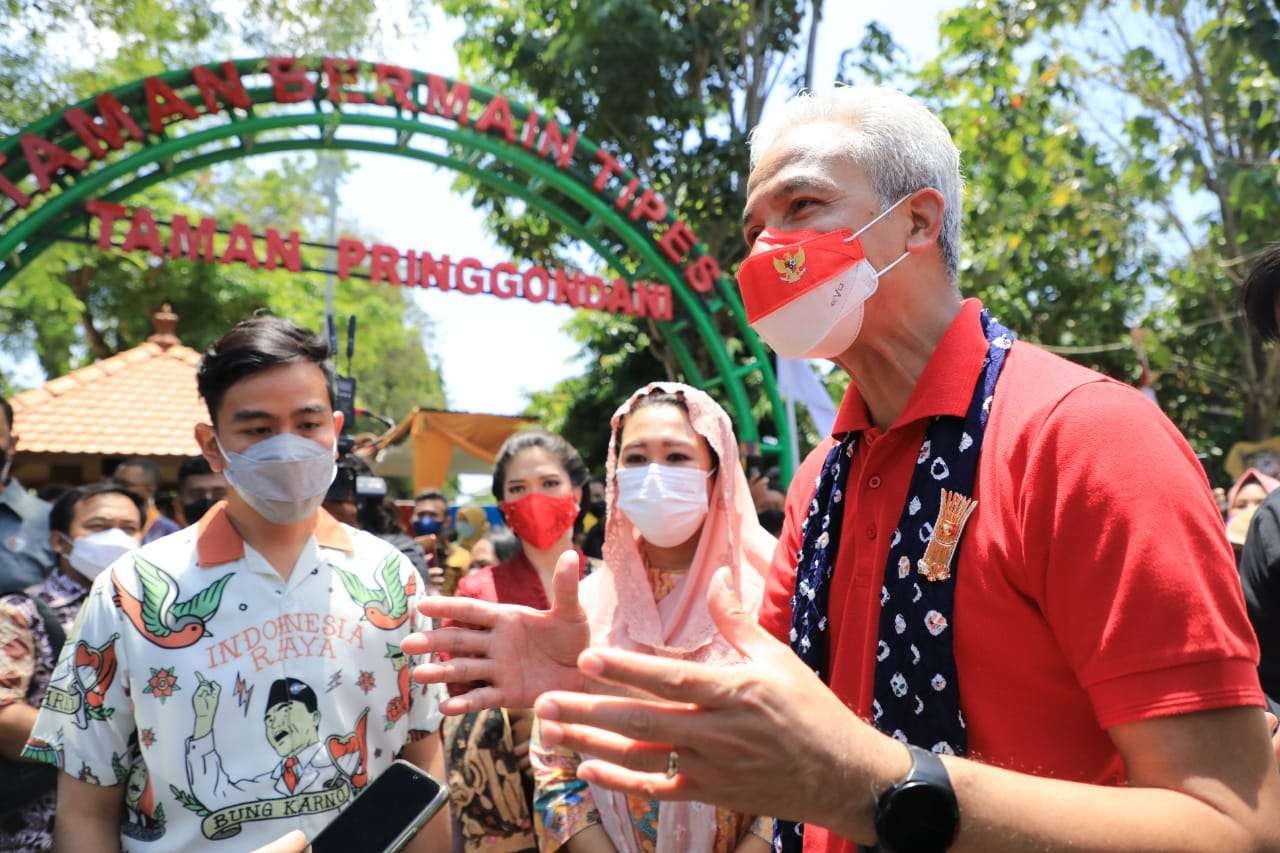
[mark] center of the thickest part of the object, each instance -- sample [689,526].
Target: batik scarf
[917,698]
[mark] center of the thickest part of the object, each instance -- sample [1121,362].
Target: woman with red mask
[537,479]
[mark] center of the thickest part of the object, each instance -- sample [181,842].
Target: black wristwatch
[919,814]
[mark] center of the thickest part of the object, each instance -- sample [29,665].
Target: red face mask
[540,519]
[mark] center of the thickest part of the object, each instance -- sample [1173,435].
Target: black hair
[659,397]
[1261,289]
[505,544]
[8,412]
[148,467]
[64,508]
[291,690]
[192,466]
[431,495]
[553,444]
[254,345]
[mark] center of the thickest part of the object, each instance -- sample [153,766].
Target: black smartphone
[387,815]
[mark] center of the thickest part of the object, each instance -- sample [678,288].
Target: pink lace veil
[618,599]
[622,613]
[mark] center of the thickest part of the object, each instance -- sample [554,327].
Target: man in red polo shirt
[997,555]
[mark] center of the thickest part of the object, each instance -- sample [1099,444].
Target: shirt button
[871,531]
[874,482]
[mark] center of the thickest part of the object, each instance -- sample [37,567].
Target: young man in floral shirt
[254,658]
[89,527]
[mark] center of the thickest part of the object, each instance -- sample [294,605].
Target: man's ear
[208,444]
[339,418]
[926,208]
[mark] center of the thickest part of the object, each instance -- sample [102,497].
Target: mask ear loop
[882,215]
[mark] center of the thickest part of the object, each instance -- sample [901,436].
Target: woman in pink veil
[679,508]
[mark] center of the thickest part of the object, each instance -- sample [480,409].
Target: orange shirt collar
[946,385]
[217,541]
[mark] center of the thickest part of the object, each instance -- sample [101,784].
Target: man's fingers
[641,756]
[471,611]
[678,681]
[454,671]
[737,625]
[472,701]
[564,589]
[632,718]
[651,786]
[459,642]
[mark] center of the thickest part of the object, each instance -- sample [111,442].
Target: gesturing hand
[204,701]
[520,653]
[765,737]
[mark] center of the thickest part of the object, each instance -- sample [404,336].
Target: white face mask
[284,478]
[825,320]
[666,503]
[91,555]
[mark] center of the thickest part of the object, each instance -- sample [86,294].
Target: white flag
[798,382]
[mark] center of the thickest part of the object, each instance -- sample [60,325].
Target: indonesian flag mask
[804,291]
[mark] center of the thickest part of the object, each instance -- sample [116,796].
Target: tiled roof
[142,402]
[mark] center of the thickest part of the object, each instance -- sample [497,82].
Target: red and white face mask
[804,291]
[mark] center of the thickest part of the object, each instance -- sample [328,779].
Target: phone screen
[402,798]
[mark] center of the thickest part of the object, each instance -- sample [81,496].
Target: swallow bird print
[159,615]
[386,607]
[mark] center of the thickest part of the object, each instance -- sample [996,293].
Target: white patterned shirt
[233,705]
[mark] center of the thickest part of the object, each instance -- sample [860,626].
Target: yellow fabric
[437,435]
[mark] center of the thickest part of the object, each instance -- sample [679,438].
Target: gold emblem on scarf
[955,511]
[791,266]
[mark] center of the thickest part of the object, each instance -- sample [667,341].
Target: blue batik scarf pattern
[917,698]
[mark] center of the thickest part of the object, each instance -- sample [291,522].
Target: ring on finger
[673,764]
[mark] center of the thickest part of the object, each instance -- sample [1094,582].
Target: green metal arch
[165,157]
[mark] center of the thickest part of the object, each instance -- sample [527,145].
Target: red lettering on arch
[94,131]
[284,252]
[337,74]
[45,159]
[398,81]
[226,88]
[496,118]
[290,81]
[163,102]
[184,243]
[143,234]
[351,254]
[240,247]
[10,189]
[382,265]
[107,214]
[553,141]
[451,103]
[701,275]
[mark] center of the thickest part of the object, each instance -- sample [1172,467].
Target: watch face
[918,818]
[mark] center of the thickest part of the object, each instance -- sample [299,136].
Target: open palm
[508,654]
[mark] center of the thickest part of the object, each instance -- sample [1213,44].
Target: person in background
[676,515]
[447,560]
[1260,558]
[537,479]
[471,523]
[505,544]
[1246,495]
[591,521]
[142,475]
[89,527]
[160,711]
[199,488]
[483,554]
[25,557]
[382,519]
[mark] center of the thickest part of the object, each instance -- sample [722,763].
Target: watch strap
[928,770]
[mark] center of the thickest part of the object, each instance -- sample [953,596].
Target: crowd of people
[966,625]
